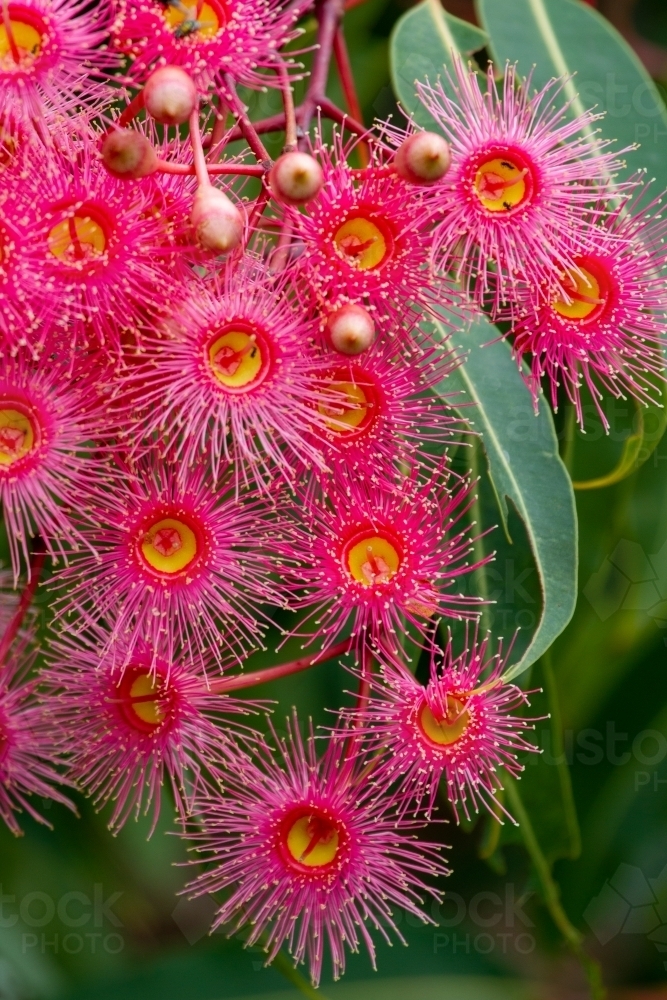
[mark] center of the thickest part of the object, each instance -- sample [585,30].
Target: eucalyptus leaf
[421,46]
[563,37]
[525,467]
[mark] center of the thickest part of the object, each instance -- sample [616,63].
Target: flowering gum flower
[51,58]
[365,240]
[232,376]
[49,419]
[176,565]
[461,726]
[385,416]
[308,854]
[96,252]
[29,757]
[125,732]
[374,557]
[522,171]
[606,328]
[205,37]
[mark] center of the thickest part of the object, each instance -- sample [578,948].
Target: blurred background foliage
[85,915]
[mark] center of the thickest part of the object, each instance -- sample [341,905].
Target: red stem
[349,89]
[36,566]
[200,165]
[276,123]
[331,111]
[329,16]
[131,111]
[246,126]
[218,130]
[288,103]
[282,670]
[185,169]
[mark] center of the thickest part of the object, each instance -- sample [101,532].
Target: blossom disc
[372,558]
[201,20]
[169,546]
[586,292]
[504,181]
[445,730]
[22,39]
[19,435]
[239,357]
[81,237]
[312,840]
[356,406]
[363,243]
[142,699]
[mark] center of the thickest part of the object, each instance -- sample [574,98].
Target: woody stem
[36,566]
[282,670]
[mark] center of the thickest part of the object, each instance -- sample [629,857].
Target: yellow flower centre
[195,19]
[17,435]
[142,699]
[501,184]
[21,38]
[448,729]
[312,841]
[363,244]
[169,546]
[78,239]
[373,560]
[583,296]
[239,359]
[348,414]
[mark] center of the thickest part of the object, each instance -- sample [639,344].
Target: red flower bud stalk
[217,222]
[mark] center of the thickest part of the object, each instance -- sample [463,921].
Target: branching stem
[36,566]
[282,670]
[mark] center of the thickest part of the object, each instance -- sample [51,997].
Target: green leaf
[421,45]
[558,37]
[525,467]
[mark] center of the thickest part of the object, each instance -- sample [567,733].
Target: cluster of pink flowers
[220,402]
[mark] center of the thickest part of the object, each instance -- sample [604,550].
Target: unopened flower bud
[423,158]
[128,154]
[170,95]
[351,329]
[295,178]
[216,220]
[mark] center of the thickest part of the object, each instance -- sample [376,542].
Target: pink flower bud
[128,154]
[423,158]
[216,220]
[170,96]
[351,329]
[295,178]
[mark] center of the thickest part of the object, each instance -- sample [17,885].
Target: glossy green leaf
[421,45]
[525,467]
[559,37]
